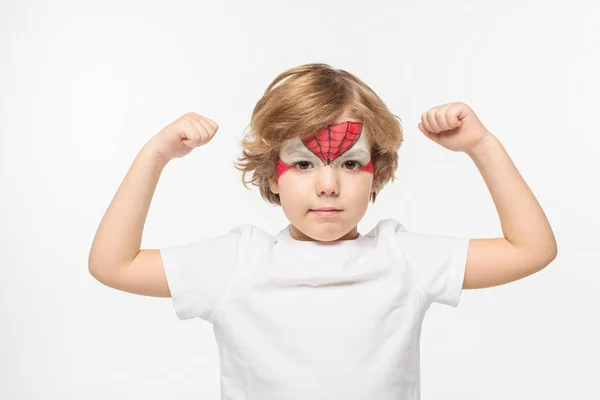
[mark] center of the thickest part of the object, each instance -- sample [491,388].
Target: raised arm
[115,258]
[528,244]
[116,245]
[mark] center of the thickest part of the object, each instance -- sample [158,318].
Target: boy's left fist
[453,126]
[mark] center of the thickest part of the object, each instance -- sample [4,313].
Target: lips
[326,209]
[325,213]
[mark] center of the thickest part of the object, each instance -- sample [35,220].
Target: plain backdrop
[84,85]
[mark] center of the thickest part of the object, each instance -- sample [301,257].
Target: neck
[298,235]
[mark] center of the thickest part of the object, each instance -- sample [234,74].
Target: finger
[199,119]
[201,124]
[442,119]
[210,125]
[453,120]
[210,129]
[427,133]
[455,113]
[203,131]
[431,125]
[193,132]
[424,122]
[213,123]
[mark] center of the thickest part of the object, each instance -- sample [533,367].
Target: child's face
[310,178]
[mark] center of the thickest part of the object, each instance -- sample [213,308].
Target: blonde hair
[304,99]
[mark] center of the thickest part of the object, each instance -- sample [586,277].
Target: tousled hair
[304,99]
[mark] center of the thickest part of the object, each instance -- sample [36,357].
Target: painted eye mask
[340,142]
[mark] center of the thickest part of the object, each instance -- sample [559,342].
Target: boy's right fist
[181,136]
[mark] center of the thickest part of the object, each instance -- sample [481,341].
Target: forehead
[294,148]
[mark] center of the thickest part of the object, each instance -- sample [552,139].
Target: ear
[273,186]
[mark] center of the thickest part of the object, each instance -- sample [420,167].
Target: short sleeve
[437,262]
[199,273]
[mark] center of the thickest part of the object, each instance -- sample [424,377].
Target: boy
[320,311]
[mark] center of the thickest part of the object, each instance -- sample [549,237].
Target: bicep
[496,261]
[145,275]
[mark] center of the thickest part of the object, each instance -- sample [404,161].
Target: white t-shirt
[307,320]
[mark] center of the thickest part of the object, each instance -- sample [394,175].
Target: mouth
[326,212]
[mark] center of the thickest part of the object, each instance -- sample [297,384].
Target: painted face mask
[340,143]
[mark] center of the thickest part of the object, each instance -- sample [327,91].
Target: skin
[528,244]
[311,184]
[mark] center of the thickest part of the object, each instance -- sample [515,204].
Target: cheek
[294,200]
[292,188]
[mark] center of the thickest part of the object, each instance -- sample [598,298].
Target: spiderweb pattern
[334,140]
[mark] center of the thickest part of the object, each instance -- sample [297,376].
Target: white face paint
[293,151]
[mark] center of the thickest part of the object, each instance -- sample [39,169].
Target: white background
[83,86]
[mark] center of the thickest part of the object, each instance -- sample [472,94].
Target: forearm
[119,235]
[523,221]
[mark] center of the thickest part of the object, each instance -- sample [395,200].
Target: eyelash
[358,165]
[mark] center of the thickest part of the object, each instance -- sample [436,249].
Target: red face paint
[281,167]
[369,167]
[334,140]
[330,143]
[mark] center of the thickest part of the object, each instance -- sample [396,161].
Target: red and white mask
[334,145]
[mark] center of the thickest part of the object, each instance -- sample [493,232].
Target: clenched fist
[454,126]
[181,136]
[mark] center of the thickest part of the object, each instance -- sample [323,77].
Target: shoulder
[387,227]
[417,246]
[249,235]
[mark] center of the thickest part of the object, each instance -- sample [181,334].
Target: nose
[327,181]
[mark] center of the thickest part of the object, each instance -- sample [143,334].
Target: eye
[301,164]
[353,165]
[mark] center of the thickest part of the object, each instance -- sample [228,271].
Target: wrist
[487,143]
[153,157]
